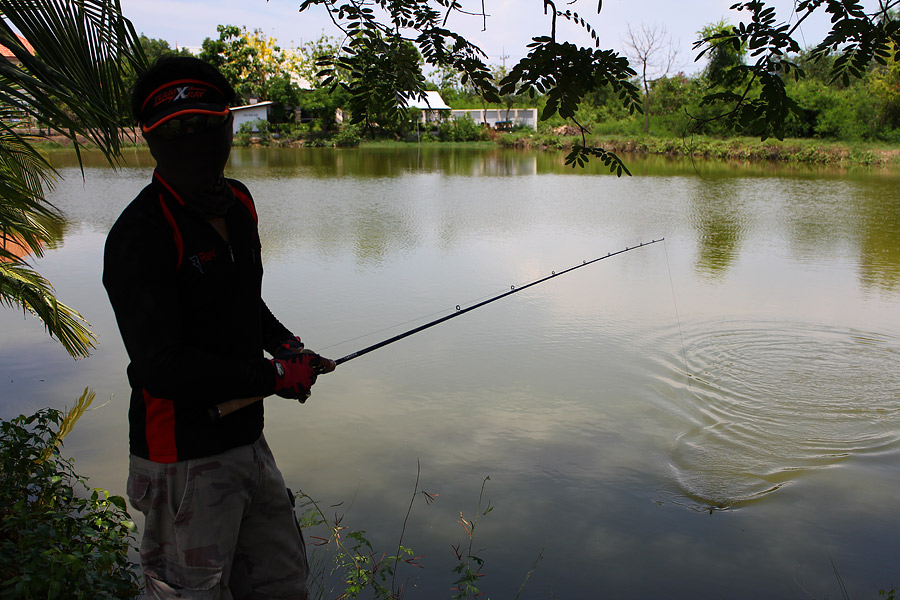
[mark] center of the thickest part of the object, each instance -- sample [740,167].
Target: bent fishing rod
[230,406]
[461,311]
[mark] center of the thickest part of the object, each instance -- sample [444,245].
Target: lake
[716,415]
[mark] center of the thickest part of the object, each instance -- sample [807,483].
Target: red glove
[295,373]
[293,344]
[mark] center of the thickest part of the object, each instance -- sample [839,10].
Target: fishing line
[413,320]
[678,318]
[229,406]
[461,311]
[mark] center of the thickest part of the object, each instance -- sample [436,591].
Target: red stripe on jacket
[160,429]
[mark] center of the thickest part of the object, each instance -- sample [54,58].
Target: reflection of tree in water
[717,215]
[879,246]
[392,161]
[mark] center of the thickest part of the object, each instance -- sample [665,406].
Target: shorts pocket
[138,491]
[172,580]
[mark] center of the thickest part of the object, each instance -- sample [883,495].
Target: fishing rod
[461,311]
[229,406]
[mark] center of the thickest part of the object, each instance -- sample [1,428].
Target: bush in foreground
[58,538]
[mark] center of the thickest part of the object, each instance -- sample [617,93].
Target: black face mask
[212,203]
[194,165]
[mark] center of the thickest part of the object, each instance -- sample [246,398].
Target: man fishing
[183,272]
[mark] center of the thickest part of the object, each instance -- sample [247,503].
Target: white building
[492,116]
[432,106]
[258,111]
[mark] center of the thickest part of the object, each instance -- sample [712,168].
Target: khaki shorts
[220,527]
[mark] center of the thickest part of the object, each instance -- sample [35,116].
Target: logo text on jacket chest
[202,258]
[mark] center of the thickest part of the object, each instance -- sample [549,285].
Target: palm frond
[21,286]
[67,424]
[75,81]
[75,84]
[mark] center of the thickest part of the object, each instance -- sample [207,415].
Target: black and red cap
[177,86]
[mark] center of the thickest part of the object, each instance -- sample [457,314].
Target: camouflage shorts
[220,527]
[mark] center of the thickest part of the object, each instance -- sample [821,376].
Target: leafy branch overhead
[384,41]
[746,97]
[754,94]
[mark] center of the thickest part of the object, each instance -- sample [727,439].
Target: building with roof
[499,118]
[432,106]
[250,113]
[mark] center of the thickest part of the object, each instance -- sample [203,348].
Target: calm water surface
[715,416]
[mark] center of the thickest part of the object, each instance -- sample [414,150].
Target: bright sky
[510,26]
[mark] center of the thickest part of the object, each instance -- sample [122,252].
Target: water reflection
[389,161]
[598,410]
[718,215]
[767,402]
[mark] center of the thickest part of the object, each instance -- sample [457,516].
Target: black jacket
[190,312]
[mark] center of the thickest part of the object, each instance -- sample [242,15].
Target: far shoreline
[792,150]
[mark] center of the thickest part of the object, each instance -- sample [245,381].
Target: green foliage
[755,98]
[347,137]
[58,539]
[252,131]
[461,130]
[469,568]
[351,564]
[154,49]
[231,53]
[724,51]
[254,65]
[74,85]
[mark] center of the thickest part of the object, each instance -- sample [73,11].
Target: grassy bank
[789,150]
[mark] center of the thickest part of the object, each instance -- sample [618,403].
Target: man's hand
[296,372]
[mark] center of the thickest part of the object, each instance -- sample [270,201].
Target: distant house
[492,116]
[256,111]
[432,106]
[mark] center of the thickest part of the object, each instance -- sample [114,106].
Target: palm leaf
[75,81]
[23,287]
[74,84]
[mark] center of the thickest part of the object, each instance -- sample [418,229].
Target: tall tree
[722,54]
[651,48]
[73,84]
[253,63]
[232,54]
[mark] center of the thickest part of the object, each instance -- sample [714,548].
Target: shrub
[58,539]
[257,130]
[462,130]
[348,137]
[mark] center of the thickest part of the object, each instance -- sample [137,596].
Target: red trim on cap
[171,83]
[187,111]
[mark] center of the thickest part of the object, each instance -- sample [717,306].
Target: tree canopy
[755,99]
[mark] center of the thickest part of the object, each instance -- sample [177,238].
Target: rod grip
[229,406]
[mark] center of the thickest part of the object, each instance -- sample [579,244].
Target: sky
[510,26]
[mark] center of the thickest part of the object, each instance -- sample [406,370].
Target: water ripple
[765,402]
